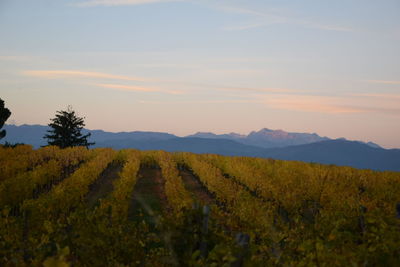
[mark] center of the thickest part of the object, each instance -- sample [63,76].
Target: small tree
[66,130]
[4,115]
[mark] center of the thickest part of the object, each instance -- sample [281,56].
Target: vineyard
[101,207]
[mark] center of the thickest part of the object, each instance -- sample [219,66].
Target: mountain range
[268,138]
[265,143]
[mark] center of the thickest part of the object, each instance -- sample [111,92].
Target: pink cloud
[53,74]
[330,104]
[93,3]
[383,81]
[137,88]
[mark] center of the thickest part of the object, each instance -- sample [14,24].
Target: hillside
[339,152]
[187,144]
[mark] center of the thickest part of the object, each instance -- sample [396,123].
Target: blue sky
[331,67]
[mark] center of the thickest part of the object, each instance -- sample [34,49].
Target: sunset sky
[330,67]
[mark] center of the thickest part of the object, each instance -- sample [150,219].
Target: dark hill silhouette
[33,135]
[268,138]
[27,134]
[340,151]
[187,144]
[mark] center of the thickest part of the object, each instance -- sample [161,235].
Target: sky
[183,66]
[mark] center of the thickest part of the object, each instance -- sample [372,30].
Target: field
[103,207]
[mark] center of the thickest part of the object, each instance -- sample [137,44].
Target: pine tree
[66,130]
[4,115]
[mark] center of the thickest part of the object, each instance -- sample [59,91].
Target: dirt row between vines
[104,183]
[148,197]
[46,188]
[195,187]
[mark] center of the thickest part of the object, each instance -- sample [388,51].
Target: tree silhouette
[4,115]
[66,130]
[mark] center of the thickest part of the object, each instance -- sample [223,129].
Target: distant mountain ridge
[265,138]
[33,134]
[268,138]
[339,152]
[327,151]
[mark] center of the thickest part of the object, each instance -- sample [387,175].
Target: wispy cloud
[92,3]
[328,27]
[266,18]
[383,82]
[97,76]
[131,88]
[260,18]
[260,90]
[375,95]
[16,58]
[318,104]
[328,104]
[126,87]
[246,26]
[247,11]
[54,74]
[221,101]
[230,101]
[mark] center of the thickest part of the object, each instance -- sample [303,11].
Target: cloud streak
[318,104]
[327,105]
[383,82]
[263,19]
[131,88]
[275,98]
[259,90]
[93,3]
[78,74]
[56,74]
[222,101]
[384,96]
[330,105]
[67,74]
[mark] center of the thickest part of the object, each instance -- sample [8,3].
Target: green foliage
[66,130]
[4,115]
